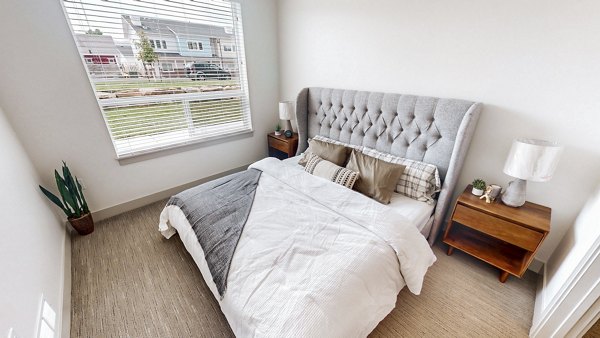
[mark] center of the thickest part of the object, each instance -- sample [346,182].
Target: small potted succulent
[278,129]
[71,201]
[478,187]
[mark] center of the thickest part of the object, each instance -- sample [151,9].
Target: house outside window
[167,67]
[164,100]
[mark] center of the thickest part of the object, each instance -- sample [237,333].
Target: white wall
[50,103]
[572,249]
[566,291]
[31,244]
[534,64]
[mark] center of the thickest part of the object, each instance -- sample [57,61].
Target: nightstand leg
[450,250]
[503,276]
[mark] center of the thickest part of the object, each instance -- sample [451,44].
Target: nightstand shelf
[499,235]
[487,249]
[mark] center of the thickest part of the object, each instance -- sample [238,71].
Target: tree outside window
[146,52]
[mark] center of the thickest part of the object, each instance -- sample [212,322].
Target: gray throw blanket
[217,211]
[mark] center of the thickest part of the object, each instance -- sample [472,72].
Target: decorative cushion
[335,153]
[377,179]
[347,145]
[420,181]
[323,168]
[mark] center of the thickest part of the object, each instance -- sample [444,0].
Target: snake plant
[72,201]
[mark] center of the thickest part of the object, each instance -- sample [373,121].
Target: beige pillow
[334,153]
[336,174]
[377,179]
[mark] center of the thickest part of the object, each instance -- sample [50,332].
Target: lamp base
[288,125]
[514,196]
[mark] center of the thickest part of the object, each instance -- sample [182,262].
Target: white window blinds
[154,90]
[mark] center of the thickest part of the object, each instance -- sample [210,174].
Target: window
[167,67]
[146,110]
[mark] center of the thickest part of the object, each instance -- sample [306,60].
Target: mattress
[418,213]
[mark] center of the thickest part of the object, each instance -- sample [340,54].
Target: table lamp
[529,160]
[286,112]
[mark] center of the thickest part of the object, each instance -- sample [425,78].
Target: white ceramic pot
[277,133]
[477,192]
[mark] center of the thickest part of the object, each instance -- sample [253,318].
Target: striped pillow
[334,173]
[420,180]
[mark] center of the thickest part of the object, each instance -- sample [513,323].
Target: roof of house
[96,44]
[180,28]
[125,50]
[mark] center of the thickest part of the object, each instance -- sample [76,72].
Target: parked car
[203,71]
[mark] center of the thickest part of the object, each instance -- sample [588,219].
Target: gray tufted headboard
[428,129]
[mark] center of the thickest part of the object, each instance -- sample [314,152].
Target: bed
[317,259]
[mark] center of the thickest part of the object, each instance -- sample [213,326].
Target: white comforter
[315,259]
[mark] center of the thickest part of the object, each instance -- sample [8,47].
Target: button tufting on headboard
[428,129]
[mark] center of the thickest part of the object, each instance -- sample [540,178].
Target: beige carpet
[128,281]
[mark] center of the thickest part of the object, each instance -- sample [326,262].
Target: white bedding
[416,212]
[314,260]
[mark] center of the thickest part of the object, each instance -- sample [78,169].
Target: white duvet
[315,259]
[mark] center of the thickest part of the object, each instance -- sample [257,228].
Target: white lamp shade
[286,110]
[532,160]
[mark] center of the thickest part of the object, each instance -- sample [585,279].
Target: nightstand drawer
[278,144]
[509,232]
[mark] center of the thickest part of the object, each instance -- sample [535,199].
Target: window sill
[182,147]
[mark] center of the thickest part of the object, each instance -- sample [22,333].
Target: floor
[128,281]
[594,331]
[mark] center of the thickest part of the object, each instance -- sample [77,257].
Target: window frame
[217,131]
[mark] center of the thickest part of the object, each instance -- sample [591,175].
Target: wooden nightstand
[502,236]
[280,143]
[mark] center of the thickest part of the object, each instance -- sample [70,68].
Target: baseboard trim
[536,266]
[149,199]
[65,322]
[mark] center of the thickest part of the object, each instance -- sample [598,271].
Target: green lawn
[132,84]
[160,118]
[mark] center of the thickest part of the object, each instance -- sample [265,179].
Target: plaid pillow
[336,174]
[420,181]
